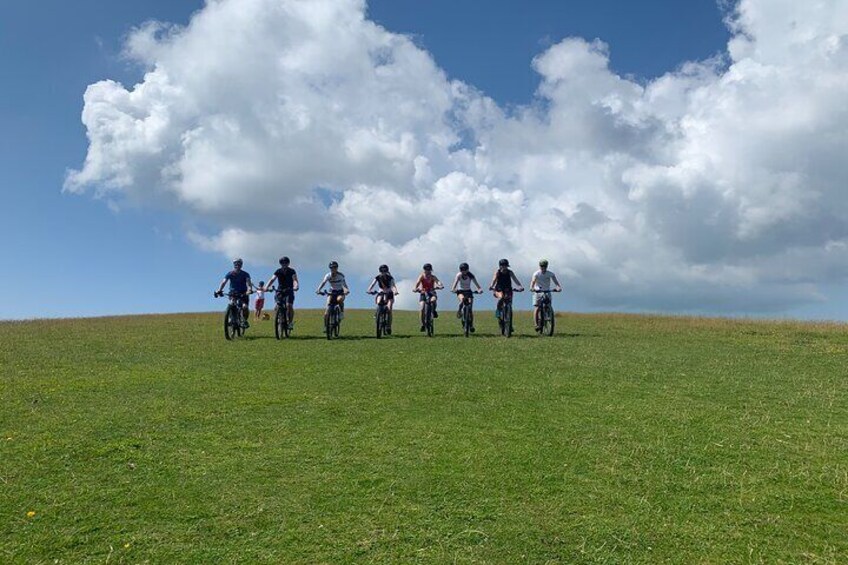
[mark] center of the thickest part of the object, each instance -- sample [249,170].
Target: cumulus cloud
[301,127]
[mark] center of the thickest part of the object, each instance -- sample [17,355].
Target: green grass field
[621,439]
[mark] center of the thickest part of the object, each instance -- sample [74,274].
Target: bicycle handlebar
[541,291]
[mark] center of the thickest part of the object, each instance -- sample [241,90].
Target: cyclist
[502,285]
[259,304]
[463,281]
[427,284]
[338,288]
[240,285]
[385,282]
[542,281]
[287,285]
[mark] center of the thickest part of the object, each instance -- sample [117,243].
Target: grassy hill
[621,439]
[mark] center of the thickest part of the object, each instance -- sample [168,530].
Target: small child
[260,300]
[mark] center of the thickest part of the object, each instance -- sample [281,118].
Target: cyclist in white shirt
[338,287]
[542,280]
[462,286]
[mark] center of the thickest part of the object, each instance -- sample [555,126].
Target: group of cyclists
[384,287]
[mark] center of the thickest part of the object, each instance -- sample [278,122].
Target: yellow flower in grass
[31,514]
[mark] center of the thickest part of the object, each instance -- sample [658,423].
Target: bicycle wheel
[507,320]
[550,321]
[337,322]
[428,319]
[279,321]
[328,323]
[466,322]
[230,322]
[379,322]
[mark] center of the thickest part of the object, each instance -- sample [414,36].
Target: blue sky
[79,255]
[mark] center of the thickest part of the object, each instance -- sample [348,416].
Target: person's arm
[533,282]
[321,286]
[455,282]
[250,287]
[437,284]
[394,286]
[270,282]
[494,280]
[516,281]
[221,286]
[344,286]
[295,283]
[417,284]
[371,286]
[556,282]
[474,280]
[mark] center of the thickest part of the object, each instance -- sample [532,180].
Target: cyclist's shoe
[389,330]
[498,314]
[246,324]
[459,313]
[291,326]
[435,313]
[472,330]
[422,328]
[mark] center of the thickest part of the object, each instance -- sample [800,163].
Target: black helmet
[463,266]
[384,268]
[428,267]
[334,265]
[503,263]
[284,261]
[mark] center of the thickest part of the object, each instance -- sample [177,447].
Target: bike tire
[338,322]
[428,319]
[550,321]
[379,322]
[507,323]
[229,328]
[328,324]
[466,322]
[279,320]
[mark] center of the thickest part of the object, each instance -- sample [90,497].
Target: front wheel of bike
[550,322]
[230,323]
[506,327]
[379,322]
[279,322]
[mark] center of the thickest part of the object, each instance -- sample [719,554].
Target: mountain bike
[282,325]
[428,315]
[383,316]
[333,317]
[505,318]
[545,319]
[466,312]
[234,321]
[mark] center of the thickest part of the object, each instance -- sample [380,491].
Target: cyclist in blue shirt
[240,285]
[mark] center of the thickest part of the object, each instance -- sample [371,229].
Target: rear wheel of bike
[550,321]
[230,322]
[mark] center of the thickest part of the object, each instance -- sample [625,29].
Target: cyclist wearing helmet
[385,283]
[542,280]
[338,287]
[462,287]
[427,284]
[502,284]
[287,285]
[240,285]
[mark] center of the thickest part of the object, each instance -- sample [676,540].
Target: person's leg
[460,298]
[421,299]
[340,299]
[434,301]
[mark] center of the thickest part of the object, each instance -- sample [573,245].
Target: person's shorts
[386,296]
[507,292]
[422,297]
[287,295]
[466,294]
[260,303]
[538,297]
[243,299]
[334,295]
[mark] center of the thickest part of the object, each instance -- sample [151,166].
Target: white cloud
[300,127]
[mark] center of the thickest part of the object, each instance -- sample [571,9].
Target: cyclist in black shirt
[287,285]
[502,284]
[385,283]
